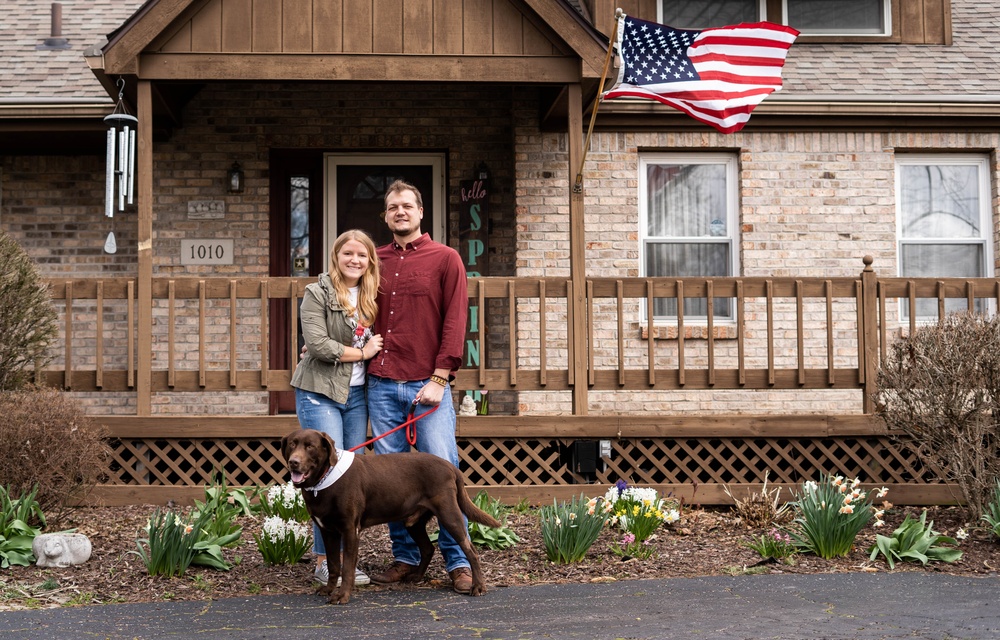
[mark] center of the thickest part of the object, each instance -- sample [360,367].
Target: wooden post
[577,248]
[868,352]
[144,200]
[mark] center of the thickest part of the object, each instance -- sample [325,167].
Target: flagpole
[597,101]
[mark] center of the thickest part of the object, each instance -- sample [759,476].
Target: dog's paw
[325,590]
[478,590]
[340,597]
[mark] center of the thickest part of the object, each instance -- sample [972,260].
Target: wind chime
[120,175]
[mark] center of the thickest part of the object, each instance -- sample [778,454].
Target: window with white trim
[688,225]
[811,17]
[943,222]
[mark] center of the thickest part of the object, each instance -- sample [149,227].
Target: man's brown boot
[461,579]
[397,572]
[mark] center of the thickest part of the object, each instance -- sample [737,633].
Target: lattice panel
[185,462]
[540,462]
[745,460]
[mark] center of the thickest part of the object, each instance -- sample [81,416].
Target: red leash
[410,425]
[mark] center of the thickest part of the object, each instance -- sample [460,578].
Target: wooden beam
[359,67]
[570,28]
[577,249]
[538,495]
[144,199]
[122,53]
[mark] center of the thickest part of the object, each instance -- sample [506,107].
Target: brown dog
[409,487]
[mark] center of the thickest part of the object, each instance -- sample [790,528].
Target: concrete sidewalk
[849,606]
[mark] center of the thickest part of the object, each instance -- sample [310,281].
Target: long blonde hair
[367,308]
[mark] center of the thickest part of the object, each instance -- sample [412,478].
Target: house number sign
[207,251]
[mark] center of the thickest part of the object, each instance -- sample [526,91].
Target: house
[777,261]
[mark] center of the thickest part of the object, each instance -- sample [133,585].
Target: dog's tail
[469,508]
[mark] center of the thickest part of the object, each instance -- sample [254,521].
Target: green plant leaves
[16,535]
[914,540]
[489,537]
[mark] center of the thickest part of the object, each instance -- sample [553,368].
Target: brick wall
[810,204]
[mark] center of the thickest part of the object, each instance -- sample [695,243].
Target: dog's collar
[344,460]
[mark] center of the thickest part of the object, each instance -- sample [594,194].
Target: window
[688,225]
[943,222]
[811,17]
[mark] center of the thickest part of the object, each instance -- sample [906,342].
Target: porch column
[577,255]
[144,288]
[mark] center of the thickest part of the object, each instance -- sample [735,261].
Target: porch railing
[806,338]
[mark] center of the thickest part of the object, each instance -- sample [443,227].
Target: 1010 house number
[206,251]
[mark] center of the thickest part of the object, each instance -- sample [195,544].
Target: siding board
[266,25]
[296,26]
[448,30]
[358,26]
[507,30]
[387,26]
[328,26]
[237,21]
[534,41]
[418,29]
[206,28]
[477,27]
[181,41]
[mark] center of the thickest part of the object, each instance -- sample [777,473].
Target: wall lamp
[234,178]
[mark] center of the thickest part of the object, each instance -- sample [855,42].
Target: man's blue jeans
[388,406]
[346,423]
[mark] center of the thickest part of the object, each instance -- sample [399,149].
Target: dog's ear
[331,448]
[284,444]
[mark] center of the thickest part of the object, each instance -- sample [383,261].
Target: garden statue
[61,549]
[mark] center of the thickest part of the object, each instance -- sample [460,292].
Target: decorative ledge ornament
[468,406]
[120,170]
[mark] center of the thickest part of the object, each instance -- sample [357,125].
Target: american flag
[716,76]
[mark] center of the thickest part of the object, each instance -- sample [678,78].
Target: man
[422,312]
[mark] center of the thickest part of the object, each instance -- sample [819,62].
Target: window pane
[299,229]
[939,201]
[687,201]
[836,16]
[689,259]
[940,261]
[701,14]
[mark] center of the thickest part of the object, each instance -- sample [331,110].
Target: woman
[337,314]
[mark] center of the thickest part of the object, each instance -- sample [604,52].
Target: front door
[356,185]
[314,198]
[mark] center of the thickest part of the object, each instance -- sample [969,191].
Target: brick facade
[810,203]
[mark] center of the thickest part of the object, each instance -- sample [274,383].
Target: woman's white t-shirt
[358,373]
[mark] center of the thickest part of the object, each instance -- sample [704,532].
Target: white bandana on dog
[344,460]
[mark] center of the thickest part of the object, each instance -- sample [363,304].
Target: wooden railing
[214,334]
[815,342]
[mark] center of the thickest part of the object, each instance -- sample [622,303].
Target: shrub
[48,441]
[941,388]
[829,515]
[27,318]
[569,529]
